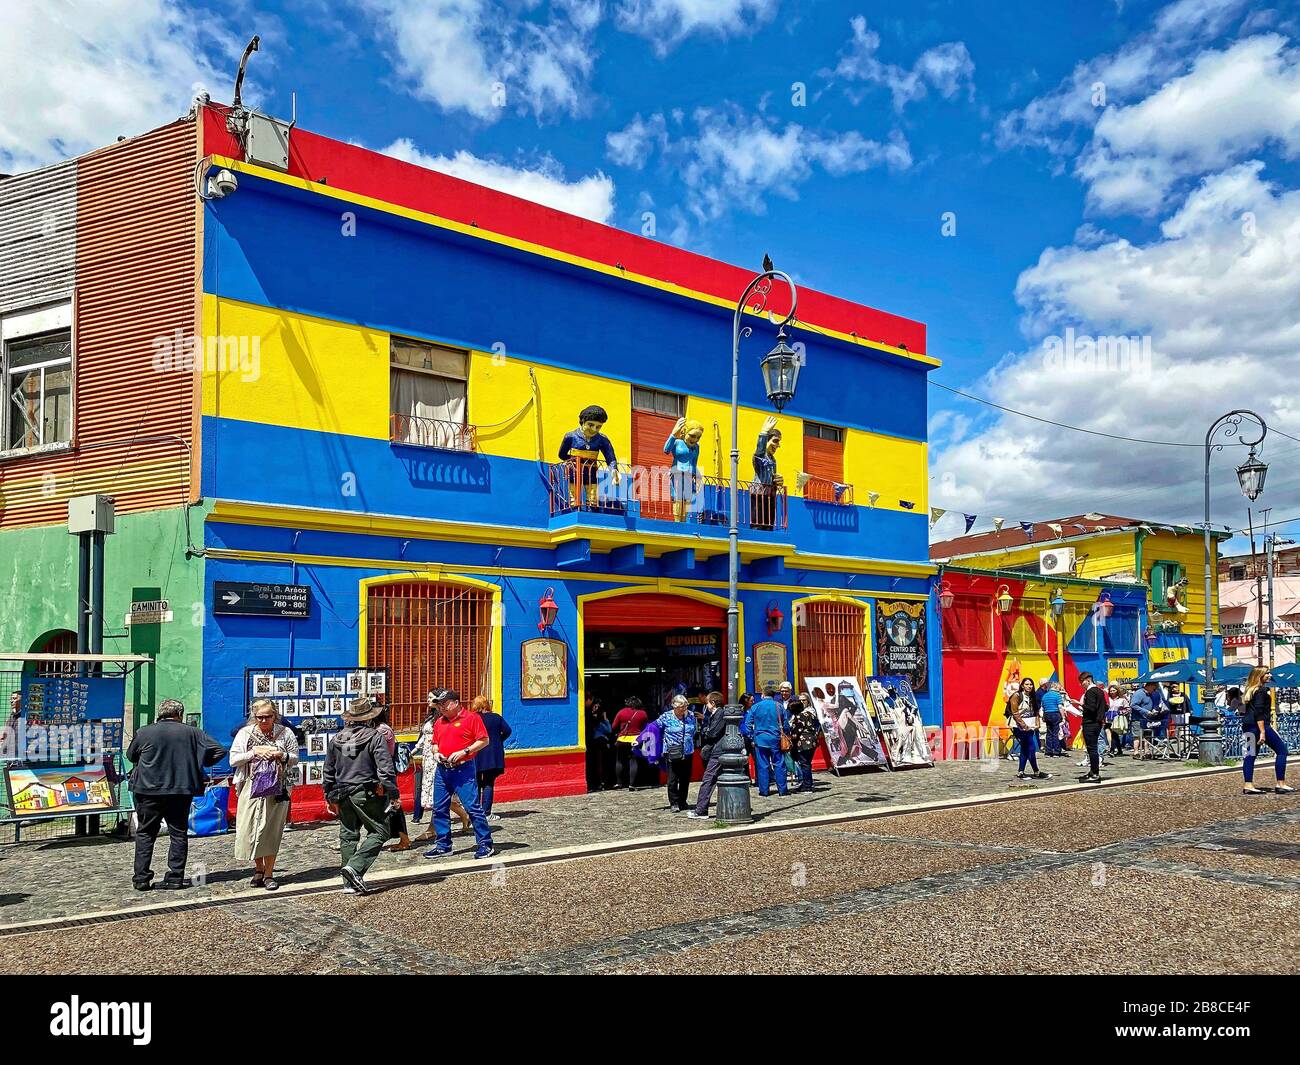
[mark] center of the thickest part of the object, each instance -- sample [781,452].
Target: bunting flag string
[935,514]
[970,520]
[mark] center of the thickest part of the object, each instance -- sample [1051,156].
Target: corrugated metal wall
[135,289]
[38,236]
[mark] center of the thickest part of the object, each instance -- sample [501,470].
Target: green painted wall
[144,559]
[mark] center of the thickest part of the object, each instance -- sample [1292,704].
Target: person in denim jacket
[678,725]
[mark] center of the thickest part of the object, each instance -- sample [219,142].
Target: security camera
[221,184]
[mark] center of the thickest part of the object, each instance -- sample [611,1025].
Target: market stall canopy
[1287,676]
[1233,674]
[1186,672]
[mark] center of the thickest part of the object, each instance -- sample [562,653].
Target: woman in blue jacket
[490,762]
[678,725]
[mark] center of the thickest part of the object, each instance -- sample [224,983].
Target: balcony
[821,490]
[432,433]
[592,486]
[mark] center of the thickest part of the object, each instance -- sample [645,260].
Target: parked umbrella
[1287,676]
[1185,672]
[1233,674]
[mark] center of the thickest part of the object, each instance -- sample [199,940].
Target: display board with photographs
[311,701]
[845,716]
[895,708]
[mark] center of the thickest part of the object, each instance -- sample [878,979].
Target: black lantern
[1251,474]
[781,368]
[549,610]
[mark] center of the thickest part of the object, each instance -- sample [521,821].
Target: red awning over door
[650,613]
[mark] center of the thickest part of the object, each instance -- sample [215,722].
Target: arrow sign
[261,600]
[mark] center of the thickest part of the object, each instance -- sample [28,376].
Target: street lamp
[780,375]
[1250,476]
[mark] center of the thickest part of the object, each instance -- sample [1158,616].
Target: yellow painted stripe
[539,249]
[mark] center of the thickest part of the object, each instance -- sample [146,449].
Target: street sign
[261,600]
[149,612]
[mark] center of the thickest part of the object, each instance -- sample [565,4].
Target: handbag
[785,736]
[1120,723]
[265,779]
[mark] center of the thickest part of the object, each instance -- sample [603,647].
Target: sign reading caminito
[261,600]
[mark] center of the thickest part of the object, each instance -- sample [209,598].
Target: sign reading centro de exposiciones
[261,600]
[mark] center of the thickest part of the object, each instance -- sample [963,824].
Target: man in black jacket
[169,758]
[360,784]
[1094,720]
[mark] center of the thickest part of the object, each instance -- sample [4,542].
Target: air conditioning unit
[1056,562]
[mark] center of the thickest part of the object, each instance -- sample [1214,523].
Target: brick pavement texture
[962,895]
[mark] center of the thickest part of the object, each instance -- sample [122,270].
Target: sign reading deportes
[901,642]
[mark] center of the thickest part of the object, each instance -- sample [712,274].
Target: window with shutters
[1023,626]
[831,640]
[968,623]
[429,634]
[654,415]
[428,396]
[36,375]
[823,461]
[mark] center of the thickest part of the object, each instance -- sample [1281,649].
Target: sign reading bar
[261,600]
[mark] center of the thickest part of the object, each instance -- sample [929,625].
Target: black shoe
[1088,778]
[1042,776]
[354,881]
[142,885]
[175,885]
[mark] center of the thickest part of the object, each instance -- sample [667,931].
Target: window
[651,401]
[823,461]
[1022,629]
[1123,630]
[1237,573]
[1079,624]
[428,395]
[1168,585]
[832,637]
[968,623]
[37,374]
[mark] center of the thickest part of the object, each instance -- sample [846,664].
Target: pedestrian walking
[678,725]
[1257,729]
[396,815]
[262,755]
[1022,711]
[767,726]
[712,729]
[168,759]
[627,726]
[458,735]
[360,786]
[599,735]
[490,762]
[805,728]
[1094,720]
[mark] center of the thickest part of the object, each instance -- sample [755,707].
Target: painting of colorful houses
[59,789]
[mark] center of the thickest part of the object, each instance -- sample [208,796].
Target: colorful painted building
[1129,595]
[370,368]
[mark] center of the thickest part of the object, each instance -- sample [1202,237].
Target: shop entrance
[654,647]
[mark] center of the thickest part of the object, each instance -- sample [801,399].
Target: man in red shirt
[458,735]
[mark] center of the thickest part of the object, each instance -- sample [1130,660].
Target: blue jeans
[462,781]
[1053,732]
[1028,746]
[803,759]
[769,761]
[1275,744]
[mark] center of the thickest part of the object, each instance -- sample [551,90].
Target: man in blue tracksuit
[765,723]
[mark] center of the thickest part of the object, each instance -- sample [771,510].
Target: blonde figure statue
[683,445]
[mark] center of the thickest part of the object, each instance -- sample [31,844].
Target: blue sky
[1112,169]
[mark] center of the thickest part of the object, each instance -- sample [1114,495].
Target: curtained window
[428,395]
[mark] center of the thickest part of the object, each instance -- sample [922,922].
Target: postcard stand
[65,724]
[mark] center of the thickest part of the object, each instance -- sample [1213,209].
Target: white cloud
[1232,102]
[76,74]
[1145,62]
[945,68]
[476,56]
[542,182]
[666,23]
[734,159]
[1218,296]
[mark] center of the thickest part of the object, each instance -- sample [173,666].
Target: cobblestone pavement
[1160,876]
[61,878]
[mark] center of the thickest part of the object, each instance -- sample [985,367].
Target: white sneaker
[694,816]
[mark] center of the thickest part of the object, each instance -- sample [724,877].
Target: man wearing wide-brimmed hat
[360,783]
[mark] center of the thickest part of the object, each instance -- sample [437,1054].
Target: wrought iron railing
[432,433]
[592,485]
[822,490]
[1287,726]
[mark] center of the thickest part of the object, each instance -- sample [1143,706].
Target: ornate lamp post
[781,369]
[1250,476]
